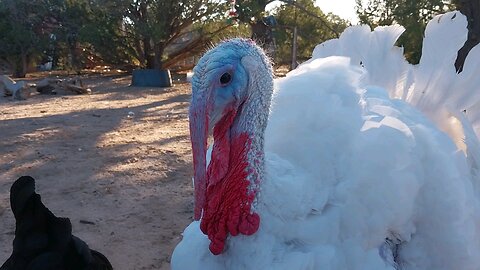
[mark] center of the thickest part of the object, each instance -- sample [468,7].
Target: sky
[342,8]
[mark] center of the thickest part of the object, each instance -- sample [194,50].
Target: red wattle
[228,200]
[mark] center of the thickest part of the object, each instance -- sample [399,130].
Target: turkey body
[353,180]
[347,169]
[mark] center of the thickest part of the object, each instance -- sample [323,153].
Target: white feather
[352,160]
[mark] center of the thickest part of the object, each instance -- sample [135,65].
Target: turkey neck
[253,117]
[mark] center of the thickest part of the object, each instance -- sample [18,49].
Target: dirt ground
[119,158]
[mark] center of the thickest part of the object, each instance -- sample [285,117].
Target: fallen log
[48,86]
[22,90]
[52,86]
[76,88]
[18,90]
[75,85]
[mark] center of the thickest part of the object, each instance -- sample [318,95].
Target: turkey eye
[226,78]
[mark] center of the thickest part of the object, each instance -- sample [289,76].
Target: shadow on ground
[119,158]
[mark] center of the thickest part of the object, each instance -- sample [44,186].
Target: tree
[151,26]
[253,13]
[471,9]
[311,31]
[201,36]
[412,14]
[242,30]
[24,32]
[95,29]
[33,30]
[67,18]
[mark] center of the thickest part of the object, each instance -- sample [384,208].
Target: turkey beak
[199,128]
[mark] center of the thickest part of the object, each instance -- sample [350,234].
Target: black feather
[44,241]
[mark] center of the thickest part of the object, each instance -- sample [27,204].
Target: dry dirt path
[119,158]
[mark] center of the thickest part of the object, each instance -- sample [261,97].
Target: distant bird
[44,241]
[349,162]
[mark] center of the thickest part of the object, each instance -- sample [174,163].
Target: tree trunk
[140,53]
[262,34]
[73,46]
[21,66]
[148,53]
[471,9]
[55,57]
[158,48]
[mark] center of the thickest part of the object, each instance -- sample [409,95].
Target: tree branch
[192,47]
[294,3]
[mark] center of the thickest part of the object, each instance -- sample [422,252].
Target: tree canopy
[310,30]
[73,34]
[147,33]
[23,31]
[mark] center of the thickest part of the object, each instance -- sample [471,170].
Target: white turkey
[355,160]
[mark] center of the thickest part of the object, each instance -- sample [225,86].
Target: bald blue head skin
[221,82]
[231,91]
[220,76]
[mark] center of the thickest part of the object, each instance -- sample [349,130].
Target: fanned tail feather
[375,51]
[449,99]
[446,97]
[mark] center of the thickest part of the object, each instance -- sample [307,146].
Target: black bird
[44,241]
